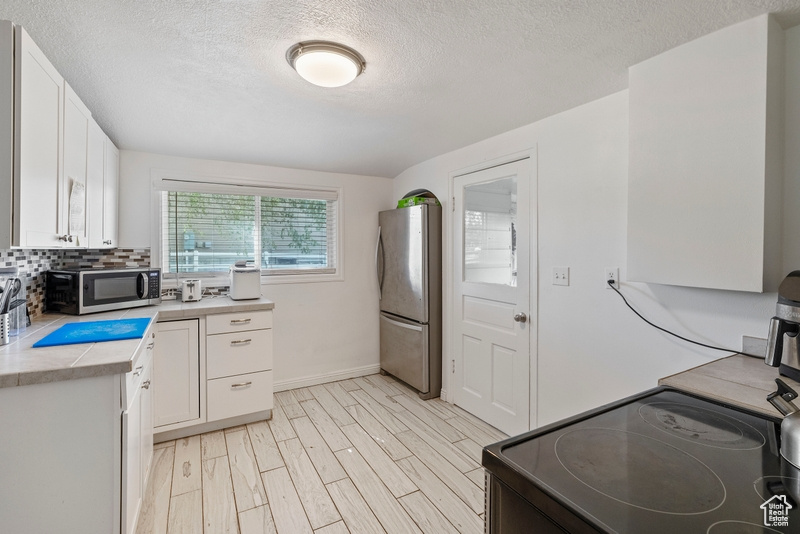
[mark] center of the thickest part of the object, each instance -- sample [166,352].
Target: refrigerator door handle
[414,327]
[379,269]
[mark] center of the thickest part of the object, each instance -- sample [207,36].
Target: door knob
[520,317]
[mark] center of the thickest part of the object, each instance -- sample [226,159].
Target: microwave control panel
[154,289]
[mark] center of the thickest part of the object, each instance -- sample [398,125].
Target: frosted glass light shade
[324,63]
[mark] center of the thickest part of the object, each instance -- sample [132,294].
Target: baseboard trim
[202,428]
[306,381]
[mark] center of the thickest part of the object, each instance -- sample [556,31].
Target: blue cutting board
[95,331]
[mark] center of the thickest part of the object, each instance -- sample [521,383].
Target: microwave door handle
[141,285]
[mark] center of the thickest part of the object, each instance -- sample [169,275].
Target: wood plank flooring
[364,455]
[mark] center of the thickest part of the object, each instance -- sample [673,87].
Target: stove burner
[640,471]
[738,527]
[702,426]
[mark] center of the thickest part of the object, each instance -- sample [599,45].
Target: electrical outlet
[611,273]
[560,276]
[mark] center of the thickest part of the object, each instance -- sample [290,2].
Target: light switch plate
[560,276]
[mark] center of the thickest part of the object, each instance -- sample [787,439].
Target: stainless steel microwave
[81,291]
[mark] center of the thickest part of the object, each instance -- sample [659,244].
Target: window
[205,228]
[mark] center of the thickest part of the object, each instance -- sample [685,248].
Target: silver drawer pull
[150,345]
[138,370]
[146,384]
[240,321]
[241,342]
[241,385]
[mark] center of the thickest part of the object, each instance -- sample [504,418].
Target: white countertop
[21,364]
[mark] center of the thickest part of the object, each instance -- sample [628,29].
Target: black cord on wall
[611,285]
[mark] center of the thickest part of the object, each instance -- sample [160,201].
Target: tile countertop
[21,364]
[738,380]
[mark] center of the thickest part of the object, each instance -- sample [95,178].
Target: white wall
[591,349]
[322,329]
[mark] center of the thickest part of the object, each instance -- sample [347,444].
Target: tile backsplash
[32,265]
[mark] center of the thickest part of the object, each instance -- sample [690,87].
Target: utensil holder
[4,329]
[18,314]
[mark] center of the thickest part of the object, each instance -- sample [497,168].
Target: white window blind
[205,228]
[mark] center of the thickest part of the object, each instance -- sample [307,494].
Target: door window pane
[490,218]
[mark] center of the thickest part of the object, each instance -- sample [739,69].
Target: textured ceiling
[208,78]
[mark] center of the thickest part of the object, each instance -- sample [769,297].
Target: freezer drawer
[405,351]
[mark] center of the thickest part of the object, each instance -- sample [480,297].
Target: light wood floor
[364,455]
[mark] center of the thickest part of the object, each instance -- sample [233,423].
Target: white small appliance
[191,291]
[245,281]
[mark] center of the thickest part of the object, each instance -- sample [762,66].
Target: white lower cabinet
[239,395]
[137,437]
[177,373]
[239,363]
[212,371]
[76,453]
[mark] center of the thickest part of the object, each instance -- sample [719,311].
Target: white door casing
[492,272]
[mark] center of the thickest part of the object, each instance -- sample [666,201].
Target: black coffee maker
[782,343]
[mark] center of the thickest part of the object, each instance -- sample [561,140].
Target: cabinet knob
[146,384]
[107,242]
[138,370]
[150,345]
[520,317]
[65,237]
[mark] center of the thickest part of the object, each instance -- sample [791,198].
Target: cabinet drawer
[236,322]
[239,395]
[141,362]
[238,353]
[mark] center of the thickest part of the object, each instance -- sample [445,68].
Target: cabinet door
[111,196]
[176,372]
[94,183]
[146,406]
[77,120]
[39,101]
[6,130]
[131,462]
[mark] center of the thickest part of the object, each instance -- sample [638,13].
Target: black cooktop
[663,461]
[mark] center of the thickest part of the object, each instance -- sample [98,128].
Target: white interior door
[492,315]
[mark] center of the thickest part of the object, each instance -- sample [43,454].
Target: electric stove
[659,462]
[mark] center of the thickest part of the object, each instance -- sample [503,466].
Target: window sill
[168,279]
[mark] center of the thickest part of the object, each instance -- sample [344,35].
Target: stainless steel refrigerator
[409,265]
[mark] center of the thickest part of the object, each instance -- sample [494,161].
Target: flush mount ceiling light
[325,63]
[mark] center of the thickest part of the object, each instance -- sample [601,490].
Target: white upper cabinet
[6,130]
[706,161]
[39,101]
[74,209]
[94,183]
[102,185]
[111,196]
[51,155]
